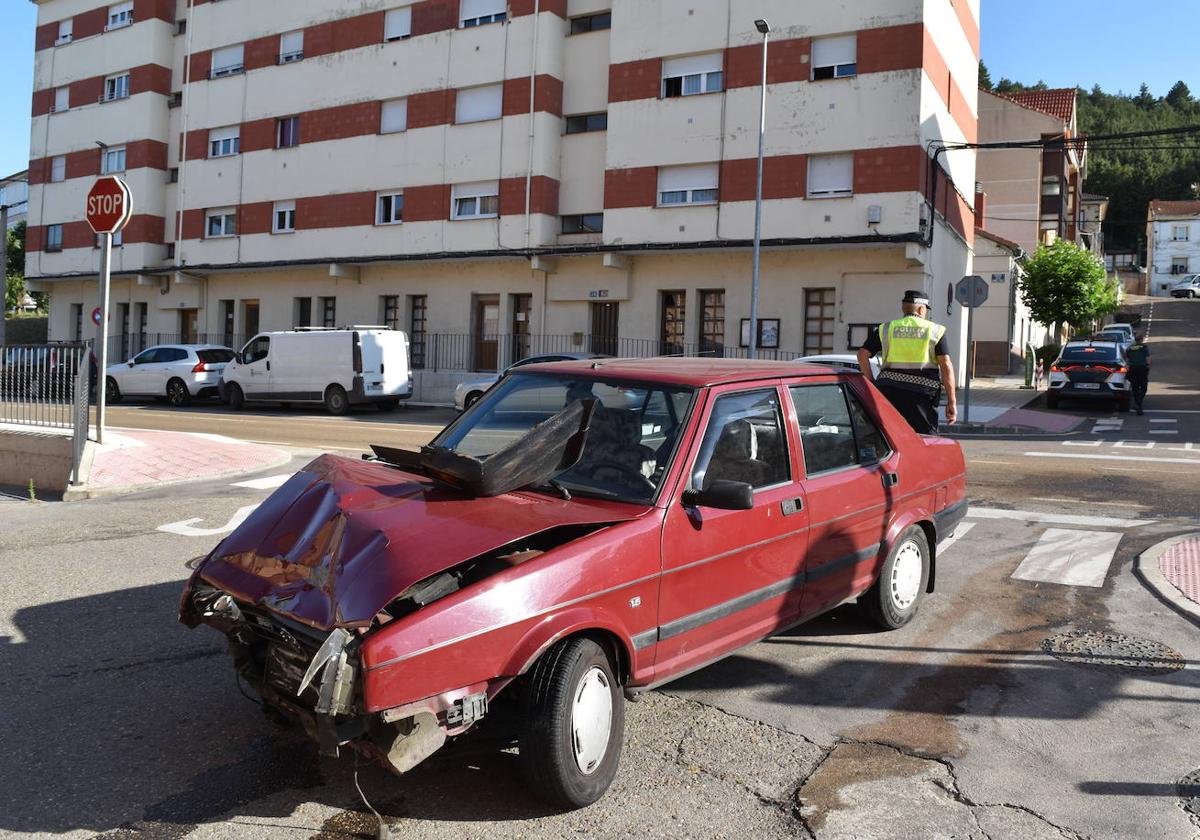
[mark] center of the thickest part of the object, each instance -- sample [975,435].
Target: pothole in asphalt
[1114,651]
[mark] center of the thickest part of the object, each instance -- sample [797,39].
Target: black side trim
[839,563]
[947,519]
[643,640]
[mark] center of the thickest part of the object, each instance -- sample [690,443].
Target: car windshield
[1090,353]
[630,442]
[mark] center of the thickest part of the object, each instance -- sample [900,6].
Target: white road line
[217,438]
[268,483]
[959,533]
[1187,447]
[1146,459]
[1172,411]
[1164,431]
[1072,558]
[1055,518]
[1082,442]
[1163,420]
[1134,444]
[186,527]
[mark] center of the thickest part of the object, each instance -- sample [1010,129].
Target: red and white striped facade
[321,134]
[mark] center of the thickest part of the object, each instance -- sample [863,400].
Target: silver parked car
[467,393]
[1188,287]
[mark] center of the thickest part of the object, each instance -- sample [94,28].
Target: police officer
[1138,357]
[916,365]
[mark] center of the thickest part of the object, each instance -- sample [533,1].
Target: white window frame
[389,211]
[393,116]
[690,185]
[112,159]
[62,100]
[481,12]
[697,74]
[834,188]
[228,222]
[283,217]
[397,24]
[291,46]
[279,124]
[66,32]
[51,244]
[58,169]
[116,87]
[1177,230]
[224,142]
[228,65]
[120,15]
[467,201]
[838,54]
[479,104]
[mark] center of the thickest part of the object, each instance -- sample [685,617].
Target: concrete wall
[43,458]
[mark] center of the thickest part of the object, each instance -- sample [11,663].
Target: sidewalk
[1172,569]
[137,459]
[998,405]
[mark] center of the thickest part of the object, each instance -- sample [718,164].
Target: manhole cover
[1114,651]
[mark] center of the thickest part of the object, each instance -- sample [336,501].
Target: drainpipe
[181,192]
[529,161]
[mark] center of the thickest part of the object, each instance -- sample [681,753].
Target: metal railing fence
[39,384]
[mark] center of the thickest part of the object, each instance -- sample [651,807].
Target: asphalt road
[118,722]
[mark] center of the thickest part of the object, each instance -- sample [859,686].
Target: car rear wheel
[574,724]
[112,392]
[336,401]
[234,396]
[894,598]
[177,393]
[471,399]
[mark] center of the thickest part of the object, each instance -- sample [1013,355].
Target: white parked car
[1188,287]
[339,368]
[837,360]
[468,393]
[178,372]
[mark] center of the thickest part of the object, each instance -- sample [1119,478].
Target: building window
[397,24]
[830,175]
[112,159]
[671,323]
[173,175]
[328,311]
[818,321]
[695,184]
[53,237]
[393,116]
[834,58]
[591,23]
[58,168]
[1179,265]
[117,239]
[475,201]
[116,87]
[181,26]
[481,12]
[283,217]
[583,223]
[1179,233]
[418,312]
[479,103]
[66,31]
[291,46]
[287,132]
[227,311]
[119,15]
[77,321]
[712,321]
[223,142]
[389,208]
[226,61]
[302,311]
[692,74]
[581,123]
[389,307]
[220,223]
[62,100]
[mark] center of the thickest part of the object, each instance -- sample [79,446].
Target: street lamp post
[765,29]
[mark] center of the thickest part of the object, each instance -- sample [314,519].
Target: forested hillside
[1133,172]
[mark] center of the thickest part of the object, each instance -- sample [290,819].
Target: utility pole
[3,274]
[764,29]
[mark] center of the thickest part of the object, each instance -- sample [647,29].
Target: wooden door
[522,311]
[604,328]
[487,329]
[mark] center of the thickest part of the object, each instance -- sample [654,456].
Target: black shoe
[1139,411]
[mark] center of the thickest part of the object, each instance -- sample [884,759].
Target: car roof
[188,347]
[1089,342]
[688,371]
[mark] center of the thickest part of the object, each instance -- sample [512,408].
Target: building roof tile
[1055,102]
[1159,207]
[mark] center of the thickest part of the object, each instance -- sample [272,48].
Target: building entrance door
[522,310]
[604,328]
[487,329]
[189,322]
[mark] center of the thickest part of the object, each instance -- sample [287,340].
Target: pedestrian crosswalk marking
[1187,447]
[1082,442]
[1134,444]
[268,483]
[1070,557]
[1056,518]
[1163,420]
[1147,459]
[959,533]
[1164,431]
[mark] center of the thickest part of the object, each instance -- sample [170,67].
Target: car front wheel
[112,392]
[471,399]
[234,396]
[893,600]
[574,724]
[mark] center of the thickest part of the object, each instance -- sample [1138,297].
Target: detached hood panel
[343,538]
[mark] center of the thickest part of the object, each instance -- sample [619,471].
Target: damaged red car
[586,531]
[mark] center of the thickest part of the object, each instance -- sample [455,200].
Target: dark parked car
[587,530]
[1090,369]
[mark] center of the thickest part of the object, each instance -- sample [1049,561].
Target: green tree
[985,78]
[1065,284]
[1179,96]
[14,286]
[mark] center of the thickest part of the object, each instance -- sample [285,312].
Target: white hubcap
[591,719]
[906,575]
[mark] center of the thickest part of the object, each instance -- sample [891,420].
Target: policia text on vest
[915,365]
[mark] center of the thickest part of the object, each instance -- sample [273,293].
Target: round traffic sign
[96,316]
[109,205]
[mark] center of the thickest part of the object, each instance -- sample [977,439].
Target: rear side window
[826,429]
[172,354]
[1092,353]
[872,445]
[215,356]
[745,441]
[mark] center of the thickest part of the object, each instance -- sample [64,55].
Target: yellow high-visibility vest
[909,342]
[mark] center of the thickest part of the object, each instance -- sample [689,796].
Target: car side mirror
[130,363]
[722,494]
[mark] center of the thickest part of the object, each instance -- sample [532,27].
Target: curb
[1146,568]
[75,494]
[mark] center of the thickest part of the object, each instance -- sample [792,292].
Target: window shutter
[394,116]
[397,24]
[227,57]
[827,52]
[291,42]
[702,176]
[829,174]
[481,8]
[481,103]
[691,64]
[58,168]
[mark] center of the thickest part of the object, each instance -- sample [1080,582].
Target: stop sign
[109,205]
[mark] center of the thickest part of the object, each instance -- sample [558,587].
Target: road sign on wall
[109,205]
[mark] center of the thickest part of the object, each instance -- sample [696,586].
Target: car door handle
[790,506]
[890,479]
[268,365]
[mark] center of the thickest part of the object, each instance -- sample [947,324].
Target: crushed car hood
[342,538]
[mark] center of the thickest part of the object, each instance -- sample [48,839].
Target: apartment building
[14,196]
[1172,243]
[499,178]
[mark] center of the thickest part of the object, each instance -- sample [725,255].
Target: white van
[339,368]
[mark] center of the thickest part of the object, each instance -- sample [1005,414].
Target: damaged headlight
[337,672]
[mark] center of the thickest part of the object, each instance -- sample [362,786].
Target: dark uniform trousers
[917,406]
[1139,381]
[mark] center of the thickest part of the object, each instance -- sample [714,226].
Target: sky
[1114,43]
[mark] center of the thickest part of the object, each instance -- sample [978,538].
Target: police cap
[917,297]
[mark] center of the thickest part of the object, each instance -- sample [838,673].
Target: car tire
[388,405]
[1051,400]
[471,399]
[336,401]
[234,396]
[178,394]
[112,391]
[894,598]
[573,724]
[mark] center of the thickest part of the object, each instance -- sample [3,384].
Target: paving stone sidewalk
[998,404]
[137,459]
[1180,565]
